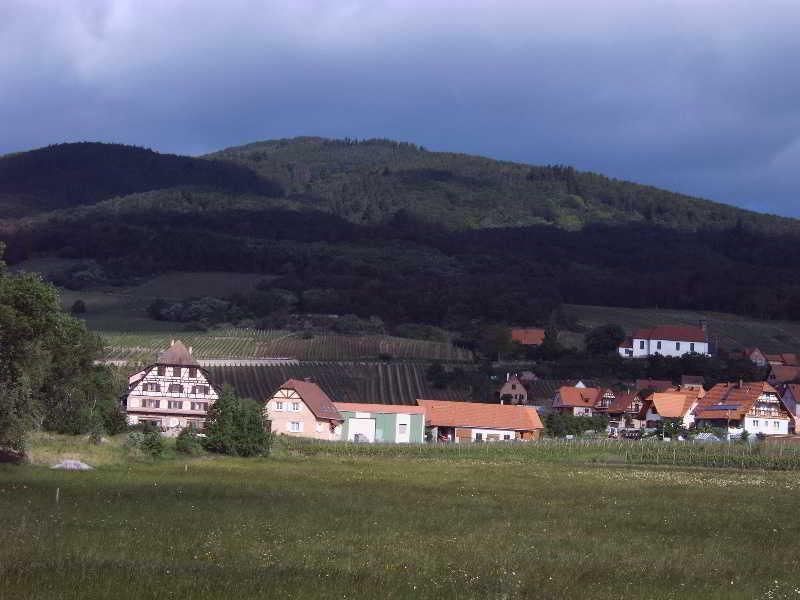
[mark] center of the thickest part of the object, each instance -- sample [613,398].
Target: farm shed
[381,423]
[477,422]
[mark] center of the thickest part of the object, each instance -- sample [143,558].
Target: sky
[696,96]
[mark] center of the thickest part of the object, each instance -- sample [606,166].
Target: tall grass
[779,457]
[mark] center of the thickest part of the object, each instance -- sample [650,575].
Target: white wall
[668,348]
[487,432]
[766,425]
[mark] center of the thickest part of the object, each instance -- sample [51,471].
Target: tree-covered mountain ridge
[365,182]
[369,181]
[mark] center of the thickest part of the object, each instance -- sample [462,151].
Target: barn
[393,424]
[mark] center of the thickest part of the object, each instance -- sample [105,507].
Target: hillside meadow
[328,526]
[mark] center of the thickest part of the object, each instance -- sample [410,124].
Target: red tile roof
[676,333]
[528,336]
[317,401]
[575,396]
[177,354]
[378,408]
[441,413]
[784,373]
[731,400]
[622,402]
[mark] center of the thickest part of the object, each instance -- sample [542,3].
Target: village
[175,392]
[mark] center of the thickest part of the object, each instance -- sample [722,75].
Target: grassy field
[730,331]
[328,526]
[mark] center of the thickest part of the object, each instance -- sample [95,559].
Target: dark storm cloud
[695,96]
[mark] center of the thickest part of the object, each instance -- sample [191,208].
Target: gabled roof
[784,373]
[622,402]
[574,396]
[378,408]
[317,401]
[178,355]
[528,336]
[671,405]
[731,400]
[441,413]
[676,333]
[627,344]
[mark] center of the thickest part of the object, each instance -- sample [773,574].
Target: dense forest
[388,229]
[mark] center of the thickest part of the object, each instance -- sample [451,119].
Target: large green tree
[47,373]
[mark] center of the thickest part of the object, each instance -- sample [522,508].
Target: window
[641,345]
[319,427]
[402,429]
[658,345]
[278,405]
[192,372]
[691,347]
[628,352]
[200,406]
[677,345]
[176,371]
[162,371]
[152,403]
[755,422]
[295,407]
[175,388]
[513,386]
[151,387]
[175,404]
[201,390]
[775,425]
[506,437]
[194,425]
[478,437]
[153,422]
[295,426]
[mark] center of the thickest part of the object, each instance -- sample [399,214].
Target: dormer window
[162,371]
[201,390]
[151,387]
[176,371]
[192,372]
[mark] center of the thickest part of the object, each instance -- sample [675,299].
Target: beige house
[302,409]
[513,392]
[172,393]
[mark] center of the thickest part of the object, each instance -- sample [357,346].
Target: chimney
[741,384]
[190,350]
[172,342]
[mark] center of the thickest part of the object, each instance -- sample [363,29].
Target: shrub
[148,440]
[187,442]
[96,431]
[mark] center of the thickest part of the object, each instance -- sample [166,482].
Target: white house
[172,393]
[666,340]
[744,406]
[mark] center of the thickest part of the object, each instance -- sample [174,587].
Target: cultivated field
[251,344]
[318,526]
[729,331]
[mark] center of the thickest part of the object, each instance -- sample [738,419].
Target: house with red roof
[172,393]
[666,340]
[302,409]
[449,421]
[752,406]
[676,405]
[512,391]
[583,401]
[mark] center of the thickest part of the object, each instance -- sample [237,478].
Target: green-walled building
[386,423]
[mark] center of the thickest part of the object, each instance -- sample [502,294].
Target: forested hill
[390,229]
[68,175]
[369,181]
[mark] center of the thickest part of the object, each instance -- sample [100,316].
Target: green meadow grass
[327,526]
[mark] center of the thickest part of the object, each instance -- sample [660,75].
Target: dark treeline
[408,270]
